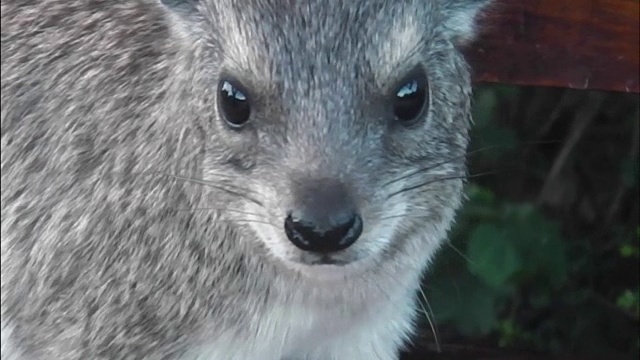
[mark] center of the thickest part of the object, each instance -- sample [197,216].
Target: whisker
[458,252]
[424,310]
[422,170]
[448,242]
[466,154]
[433,166]
[435,180]
[233,211]
[432,324]
[218,209]
[391,217]
[215,186]
[248,221]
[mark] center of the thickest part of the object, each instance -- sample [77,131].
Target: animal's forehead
[276,38]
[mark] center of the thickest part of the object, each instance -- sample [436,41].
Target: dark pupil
[234,104]
[409,100]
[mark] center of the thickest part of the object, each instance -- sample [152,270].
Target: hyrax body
[226,180]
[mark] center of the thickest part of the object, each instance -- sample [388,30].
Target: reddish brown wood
[583,44]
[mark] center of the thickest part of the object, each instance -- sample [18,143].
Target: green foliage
[495,139]
[519,274]
[493,257]
[509,246]
[628,301]
[469,304]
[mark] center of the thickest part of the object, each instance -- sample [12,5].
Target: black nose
[324,218]
[310,236]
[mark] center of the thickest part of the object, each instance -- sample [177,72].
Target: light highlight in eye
[408,90]
[411,97]
[234,105]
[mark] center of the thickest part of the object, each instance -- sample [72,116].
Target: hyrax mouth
[327,260]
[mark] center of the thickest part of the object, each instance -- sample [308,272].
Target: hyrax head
[339,128]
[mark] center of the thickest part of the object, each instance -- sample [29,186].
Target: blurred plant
[545,255]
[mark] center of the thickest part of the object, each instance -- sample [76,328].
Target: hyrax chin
[226,180]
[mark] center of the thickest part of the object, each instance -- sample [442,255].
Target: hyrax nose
[325,220]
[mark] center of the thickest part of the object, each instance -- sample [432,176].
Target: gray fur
[135,225]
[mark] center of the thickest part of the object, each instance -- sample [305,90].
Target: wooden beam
[582,44]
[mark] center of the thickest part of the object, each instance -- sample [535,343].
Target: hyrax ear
[459,19]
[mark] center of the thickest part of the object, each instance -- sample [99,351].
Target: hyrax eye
[233,104]
[411,97]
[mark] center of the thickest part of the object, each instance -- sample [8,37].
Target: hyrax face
[345,124]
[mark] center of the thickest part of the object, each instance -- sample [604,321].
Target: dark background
[544,256]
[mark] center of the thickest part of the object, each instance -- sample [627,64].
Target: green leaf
[539,244]
[628,300]
[465,302]
[492,256]
[627,250]
[480,194]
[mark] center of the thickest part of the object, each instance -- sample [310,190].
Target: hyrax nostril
[324,218]
[323,237]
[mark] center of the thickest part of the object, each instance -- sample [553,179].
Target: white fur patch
[462,24]
[341,331]
[242,52]
[6,348]
[380,235]
[399,48]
